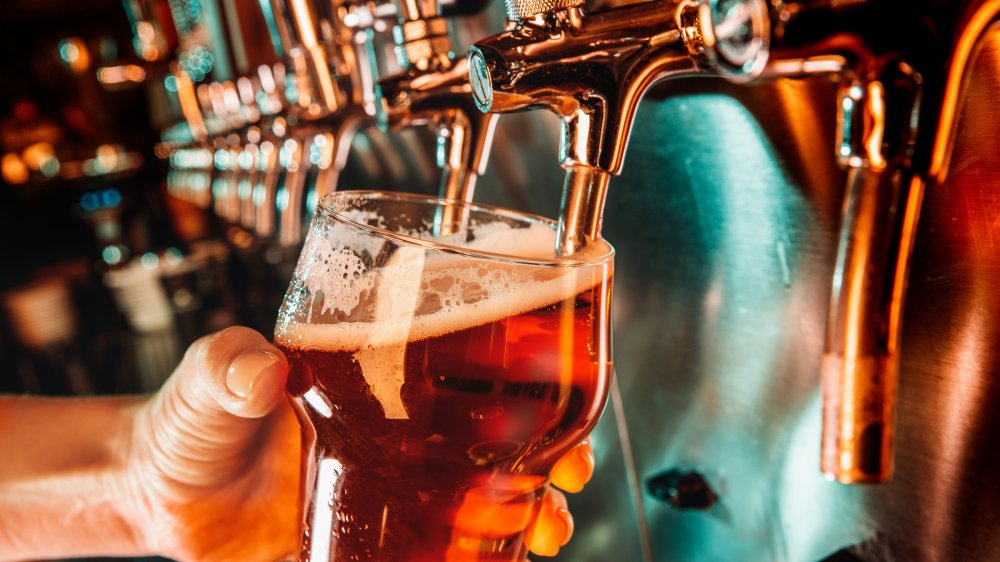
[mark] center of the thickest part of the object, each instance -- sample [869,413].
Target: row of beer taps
[898,99]
[278,140]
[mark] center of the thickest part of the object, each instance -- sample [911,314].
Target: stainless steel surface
[724,259]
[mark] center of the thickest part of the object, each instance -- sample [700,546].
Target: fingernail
[247,369]
[567,519]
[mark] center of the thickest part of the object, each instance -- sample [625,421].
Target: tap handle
[881,205]
[518,10]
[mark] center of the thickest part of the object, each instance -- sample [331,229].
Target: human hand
[214,460]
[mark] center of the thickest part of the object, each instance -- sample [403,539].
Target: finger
[572,472]
[554,525]
[236,370]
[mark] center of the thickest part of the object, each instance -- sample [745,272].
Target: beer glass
[439,370]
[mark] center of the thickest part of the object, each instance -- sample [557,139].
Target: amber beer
[429,437]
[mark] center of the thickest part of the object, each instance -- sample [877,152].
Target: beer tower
[863,99]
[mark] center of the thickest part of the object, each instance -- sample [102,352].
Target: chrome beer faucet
[897,108]
[434,90]
[878,115]
[332,103]
[593,69]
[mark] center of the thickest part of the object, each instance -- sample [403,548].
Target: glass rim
[327,202]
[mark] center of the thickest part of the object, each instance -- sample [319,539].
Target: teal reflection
[272,28]
[719,315]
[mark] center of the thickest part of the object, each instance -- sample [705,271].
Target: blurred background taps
[803,195]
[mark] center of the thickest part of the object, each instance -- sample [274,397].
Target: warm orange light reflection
[876,126]
[37,154]
[13,169]
[498,509]
[120,74]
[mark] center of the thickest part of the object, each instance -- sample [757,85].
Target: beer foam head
[424,293]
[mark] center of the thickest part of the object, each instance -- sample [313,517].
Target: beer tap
[332,103]
[271,173]
[216,118]
[897,106]
[877,117]
[586,70]
[193,165]
[433,89]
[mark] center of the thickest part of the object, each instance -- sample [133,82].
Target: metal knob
[740,34]
[518,10]
[733,34]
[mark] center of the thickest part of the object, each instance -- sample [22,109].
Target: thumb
[201,425]
[235,370]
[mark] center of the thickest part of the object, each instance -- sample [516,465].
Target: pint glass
[439,370]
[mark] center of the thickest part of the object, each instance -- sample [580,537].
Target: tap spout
[583,68]
[442,100]
[434,90]
[584,193]
[592,75]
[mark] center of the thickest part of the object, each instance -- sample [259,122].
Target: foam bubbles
[337,273]
[421,294]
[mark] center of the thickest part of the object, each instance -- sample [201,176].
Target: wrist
[128,511]
[66,492]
